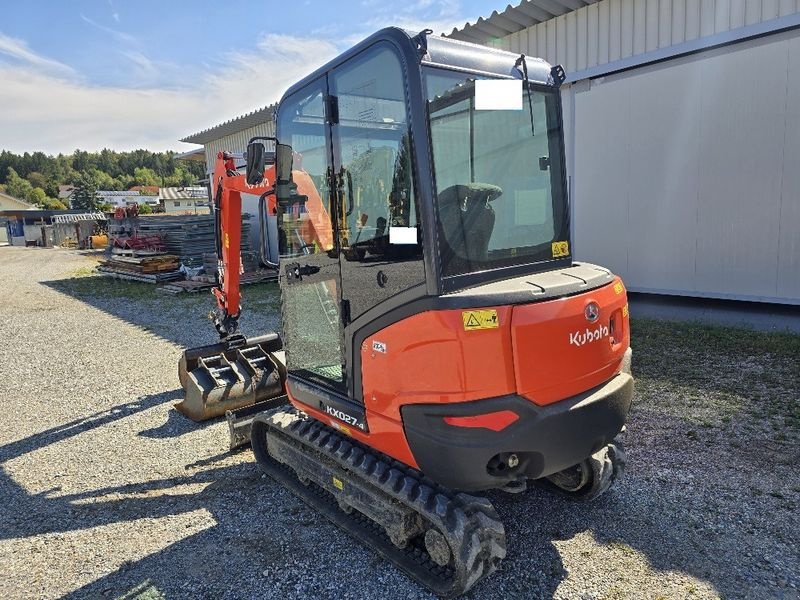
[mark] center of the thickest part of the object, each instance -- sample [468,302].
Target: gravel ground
[108,492]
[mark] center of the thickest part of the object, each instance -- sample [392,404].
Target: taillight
[616,325]
[496,421]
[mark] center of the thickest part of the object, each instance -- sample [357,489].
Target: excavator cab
[439,338]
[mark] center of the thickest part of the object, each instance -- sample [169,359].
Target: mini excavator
[438,339]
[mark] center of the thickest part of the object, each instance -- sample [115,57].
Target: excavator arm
[229,187]
[230,184]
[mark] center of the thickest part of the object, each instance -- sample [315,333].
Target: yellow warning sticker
[618,289]
[560,249]
[480,319]
[227,241]
[625,311]
[337,483]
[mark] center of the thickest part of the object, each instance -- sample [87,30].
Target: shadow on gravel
[262,530]
[241,540]
[78,426]
[27,518]
[181,319]
[176,424]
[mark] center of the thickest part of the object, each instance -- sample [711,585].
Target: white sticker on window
[402,235]
[498,94]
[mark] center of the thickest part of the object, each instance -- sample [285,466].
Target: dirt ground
[108,492]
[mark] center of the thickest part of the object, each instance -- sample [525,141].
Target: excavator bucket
[222,377]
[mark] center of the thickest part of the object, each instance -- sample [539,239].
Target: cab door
[379,230]
[310,271]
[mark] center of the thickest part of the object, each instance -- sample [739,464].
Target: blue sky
[127,74]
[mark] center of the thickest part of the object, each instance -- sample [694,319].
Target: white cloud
[114,13]
[18,51]
[52,108]
[439,15]
[55,113]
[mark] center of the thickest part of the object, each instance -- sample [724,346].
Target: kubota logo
[579,338]
[592,312]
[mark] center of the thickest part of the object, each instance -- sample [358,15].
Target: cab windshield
[498,168]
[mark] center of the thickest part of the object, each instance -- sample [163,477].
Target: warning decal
[338,484]
[560,249]
[625,311]
[618,289]
[480,319]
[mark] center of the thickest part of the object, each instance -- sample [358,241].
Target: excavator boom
[229,187]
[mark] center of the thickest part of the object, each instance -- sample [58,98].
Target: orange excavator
[438,338]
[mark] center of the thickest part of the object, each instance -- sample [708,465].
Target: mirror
[283,163]
[256,160]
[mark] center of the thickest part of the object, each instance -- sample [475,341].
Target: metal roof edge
[231,126]
[515,18]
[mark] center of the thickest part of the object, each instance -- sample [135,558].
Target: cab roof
[440,52]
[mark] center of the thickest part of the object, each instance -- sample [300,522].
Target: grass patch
[714,376]
[715,337]
[262,296]
[91,285]
[83,272]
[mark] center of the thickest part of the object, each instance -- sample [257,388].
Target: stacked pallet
[151,269]
[249,262]
[189,237]
[202,284]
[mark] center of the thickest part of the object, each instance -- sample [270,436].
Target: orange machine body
[542,351]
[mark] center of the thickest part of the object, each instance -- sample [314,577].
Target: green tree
[53,204]
[105,181]
[145,209]
[145,176]
[36,196]
[36,179]
[113,170]
[85,197]
[17,186]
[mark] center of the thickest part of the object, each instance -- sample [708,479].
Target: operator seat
[467,221]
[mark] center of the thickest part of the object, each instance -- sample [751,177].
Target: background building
[10,203]
[185,200]
[48,228]
[232,136]
[683,136]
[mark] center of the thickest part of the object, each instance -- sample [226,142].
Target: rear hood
[568,345]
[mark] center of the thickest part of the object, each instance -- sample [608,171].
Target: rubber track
[470,524]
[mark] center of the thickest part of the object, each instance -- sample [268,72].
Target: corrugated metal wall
[611,30]
[236,142]
[686,174]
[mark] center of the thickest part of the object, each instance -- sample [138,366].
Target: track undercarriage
[445,541]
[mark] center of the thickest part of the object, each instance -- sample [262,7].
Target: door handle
[295,272]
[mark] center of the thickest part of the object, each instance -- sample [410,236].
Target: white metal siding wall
[236,142]
[611,30]
[686,172]
[684,175]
